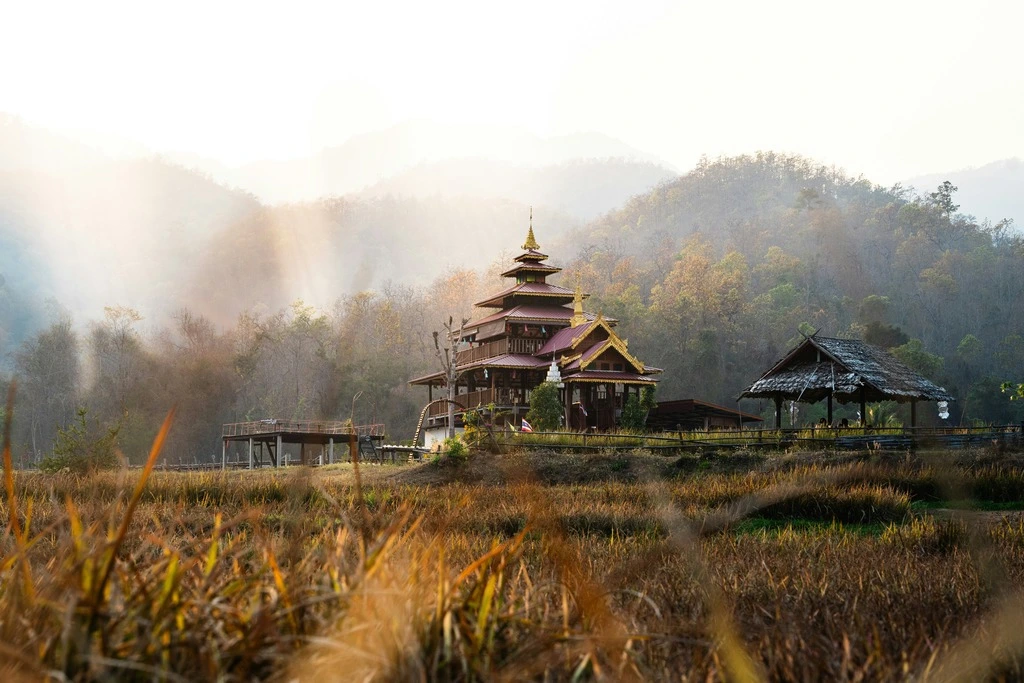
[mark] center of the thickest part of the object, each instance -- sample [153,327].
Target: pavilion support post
[322,449]
[778,411]
[913,413]
[330,450]
[830,408]
[353,447]
[430,393]
[250,452]
[863,409]
[280,455]
[224,454]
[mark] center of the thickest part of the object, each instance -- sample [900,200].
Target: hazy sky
[889,89]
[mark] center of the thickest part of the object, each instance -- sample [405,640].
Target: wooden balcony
[527,346]
[497,348]
[483,397]
[482,352]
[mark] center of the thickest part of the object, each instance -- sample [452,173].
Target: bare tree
[447,355]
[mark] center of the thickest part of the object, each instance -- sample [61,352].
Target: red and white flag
[525,426]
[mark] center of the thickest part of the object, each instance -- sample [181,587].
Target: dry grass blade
[974,657]
[122,532]
[28,587]
[738,662]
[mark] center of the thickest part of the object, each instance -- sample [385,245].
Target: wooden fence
[841,438]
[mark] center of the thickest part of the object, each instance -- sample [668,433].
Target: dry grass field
[527,566]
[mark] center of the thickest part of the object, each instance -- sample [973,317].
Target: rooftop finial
[531,241]
[577,304]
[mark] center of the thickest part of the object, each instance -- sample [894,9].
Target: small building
[527,330]
[690,414]
[845,370]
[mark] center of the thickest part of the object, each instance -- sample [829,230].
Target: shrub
[454,447]
[545,408]
[78,448]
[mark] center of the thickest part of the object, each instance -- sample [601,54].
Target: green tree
[636,410]
[942,198]
[913,355]
[545,408]
[79,448]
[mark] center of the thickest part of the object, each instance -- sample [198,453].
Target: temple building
[532,331]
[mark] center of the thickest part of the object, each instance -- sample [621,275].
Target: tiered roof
[575,347]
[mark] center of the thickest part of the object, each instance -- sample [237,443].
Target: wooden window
[618,367]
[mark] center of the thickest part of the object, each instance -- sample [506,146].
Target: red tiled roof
[529,312]
[531,255]
[528,288]
[507,360]
[531,268]
[608,376]
[587,355]
[563,339]
[424,379]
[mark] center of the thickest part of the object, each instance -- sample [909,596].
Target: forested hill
[713,274]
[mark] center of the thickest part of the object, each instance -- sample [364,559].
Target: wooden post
[224,454]
[330,450]
[830,408]
[279,453]
[353,447]
[250,452]
[913,413]
[863,409]
[778,411]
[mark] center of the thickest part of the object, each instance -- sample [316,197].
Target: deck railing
[497,348]
[273,426]
[483,397]
[482,352]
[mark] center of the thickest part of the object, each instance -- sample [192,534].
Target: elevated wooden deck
[273,426]
[267,440]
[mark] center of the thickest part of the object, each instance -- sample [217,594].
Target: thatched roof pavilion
[848,370]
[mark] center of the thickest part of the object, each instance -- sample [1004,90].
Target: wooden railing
[838,438]
[483,397]
[499,347]
[527,346]
[482,352]
[273,426]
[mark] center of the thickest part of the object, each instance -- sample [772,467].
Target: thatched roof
[844,367]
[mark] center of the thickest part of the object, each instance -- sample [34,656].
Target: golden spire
[531,241]
[577,305]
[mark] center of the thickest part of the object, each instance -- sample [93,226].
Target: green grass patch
[982,505]
[763,525]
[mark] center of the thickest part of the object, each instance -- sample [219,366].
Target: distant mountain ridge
[993,191]
[373,158]
[583,188]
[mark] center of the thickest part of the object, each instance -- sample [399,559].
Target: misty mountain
[994,191]
[371,158]
[585,188]
[319,251]
[93,232]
